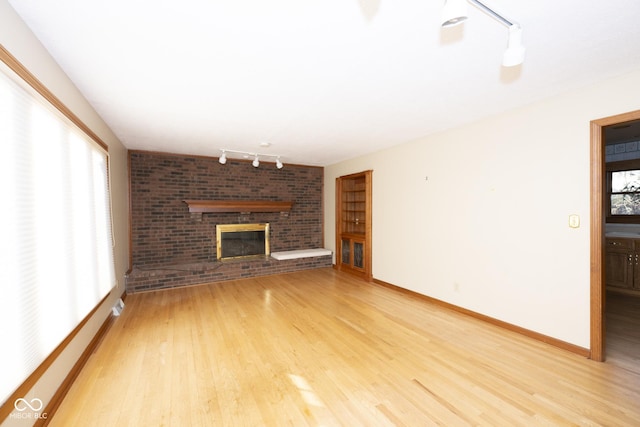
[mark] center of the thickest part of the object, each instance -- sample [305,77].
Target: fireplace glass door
[242,240]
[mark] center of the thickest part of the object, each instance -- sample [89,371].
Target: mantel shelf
[204,206]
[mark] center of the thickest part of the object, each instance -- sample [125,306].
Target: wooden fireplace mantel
[204,206]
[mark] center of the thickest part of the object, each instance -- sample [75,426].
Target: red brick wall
[163,230]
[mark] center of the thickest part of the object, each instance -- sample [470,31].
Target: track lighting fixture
[454,12]
[256,157]
[514,54]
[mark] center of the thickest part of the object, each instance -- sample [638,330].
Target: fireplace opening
[242,240]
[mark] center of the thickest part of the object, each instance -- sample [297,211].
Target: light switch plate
[574,221]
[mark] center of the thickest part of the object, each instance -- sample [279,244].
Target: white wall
[478,216]
[21,43]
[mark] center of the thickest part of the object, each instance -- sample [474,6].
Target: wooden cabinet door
[353,253]
[358,258]
[635,281]
[345,251]
[619,268]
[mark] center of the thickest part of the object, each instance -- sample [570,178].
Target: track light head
[279,164]
[256,162]
[514,55]
[454,12]
[223,158]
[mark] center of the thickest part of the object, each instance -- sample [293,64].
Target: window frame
[620,166]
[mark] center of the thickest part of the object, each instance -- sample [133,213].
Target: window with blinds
[56,246]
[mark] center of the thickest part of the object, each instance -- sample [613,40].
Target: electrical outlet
[118,307]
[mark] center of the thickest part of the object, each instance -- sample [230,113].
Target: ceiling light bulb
[223,158]
[454,12]
[256,162]
[514,55]
[279,164]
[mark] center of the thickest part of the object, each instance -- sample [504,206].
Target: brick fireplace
[171,246]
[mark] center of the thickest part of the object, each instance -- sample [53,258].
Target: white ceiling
[320,80]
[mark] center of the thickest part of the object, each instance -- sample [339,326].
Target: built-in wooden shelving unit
[353,224]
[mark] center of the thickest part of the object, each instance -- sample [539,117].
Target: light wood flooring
[622,344]
[321,348]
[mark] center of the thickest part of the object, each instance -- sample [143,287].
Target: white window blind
[56,248]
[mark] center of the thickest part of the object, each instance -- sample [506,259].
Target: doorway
[597,230]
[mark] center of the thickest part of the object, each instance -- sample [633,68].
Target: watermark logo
[23,404]
[29,409]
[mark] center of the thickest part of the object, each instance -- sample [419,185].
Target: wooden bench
[300,253]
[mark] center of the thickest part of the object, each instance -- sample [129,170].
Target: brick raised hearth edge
[171,276]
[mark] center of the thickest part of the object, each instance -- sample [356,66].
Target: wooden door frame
[597,345]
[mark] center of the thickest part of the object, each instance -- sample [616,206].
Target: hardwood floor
[322,348]
[623,331]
